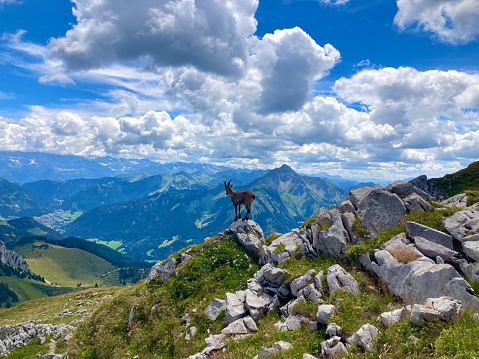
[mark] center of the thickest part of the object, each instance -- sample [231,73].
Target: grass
[64,266]
[46,309]
[472,197]
[217,266]
[404,254]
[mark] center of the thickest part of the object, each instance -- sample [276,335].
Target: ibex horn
[229,183]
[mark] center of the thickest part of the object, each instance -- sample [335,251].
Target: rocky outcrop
[19,335]
[164,270]
[12,259]
[249,234]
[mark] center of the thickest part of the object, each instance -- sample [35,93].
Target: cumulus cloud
[209,35]
[451,21]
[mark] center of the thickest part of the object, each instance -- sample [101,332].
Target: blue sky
[382,89]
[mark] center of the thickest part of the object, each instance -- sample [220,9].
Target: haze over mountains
[149,209]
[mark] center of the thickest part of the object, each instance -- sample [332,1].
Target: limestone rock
[471,249]
[213,310]
[411,282]
[338,278]
[414,203]
[332,241]
[163,270]
[433,250]
[234,306]
[364,337]
[301,282]
[418,230]
[380,210]
[388,319]
[406,189]
[333,348]
[249,234]
[459,200]
[462,224]
[240,326]
[256,305]
[334,330]
[325,313]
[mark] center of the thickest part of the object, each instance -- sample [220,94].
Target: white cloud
[451,21]
[56,78]
[210,35]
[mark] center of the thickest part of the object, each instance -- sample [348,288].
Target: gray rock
[333,348]
[347,207]
[272,280]
[418,230]
[433,250]
[256,305]
[332,241]
[462,224]
[470,270]
[357,195]
[334,330]
[250,324]
[396,242]
[348,221]
[235,328]
[406,189]
[380,210]
[312,293]
[164,270]
[249,234]
[471,249]
[308,356]
[12,259]
[293,322]
[421,315]
[411,282]
[449,308]
[291,241]
[234,306]
[459,200]
[301,282]
[338,278]
[213,310]
[365,261]
[388,319]
[364,337]
[414,203]
[325,313]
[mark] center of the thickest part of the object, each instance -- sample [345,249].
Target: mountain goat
[240,198]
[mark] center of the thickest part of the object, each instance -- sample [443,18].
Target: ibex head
[228,187]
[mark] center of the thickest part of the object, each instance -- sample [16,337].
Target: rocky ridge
[444,259]
[12,259]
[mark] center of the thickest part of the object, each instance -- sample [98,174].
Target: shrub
[460,339]
[309,222]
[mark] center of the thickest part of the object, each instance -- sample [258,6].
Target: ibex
[244,198]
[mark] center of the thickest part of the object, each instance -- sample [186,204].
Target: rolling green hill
[461,181]
[62,266]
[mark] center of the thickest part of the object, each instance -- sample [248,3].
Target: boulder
[411,282]
[293,322]
[418,230]
[471,250]
[301,282]
[332,241]
[240,326]
[308,356]
[256,305]
[213,310]
[406,189]
[325,313]
[433,250]
[388,319]
[396,242]
[338,278]
[272,280]
[435,309]
[279,346]
[364,337]
[312,293]
[334,330]
[348,221]
[290,241]
[380,210]
[462,224]
[234,306]
[357,195]
[414,203]
[249,234]
[333,348]
[459,200]
[164,270]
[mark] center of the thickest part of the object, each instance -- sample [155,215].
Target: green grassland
[64,266]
